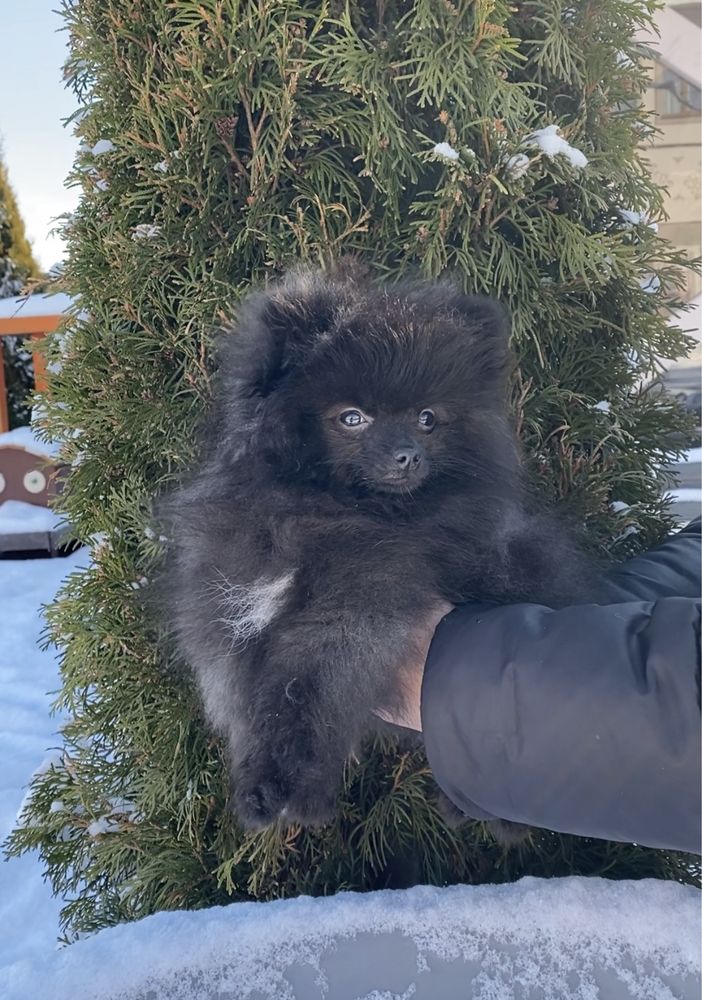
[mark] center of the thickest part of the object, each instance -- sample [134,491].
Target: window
[675,95]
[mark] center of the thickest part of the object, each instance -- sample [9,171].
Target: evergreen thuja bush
[221,142]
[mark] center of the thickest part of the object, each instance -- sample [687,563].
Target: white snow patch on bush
[618,506]
[631,530]
[102,185]
[575,938]
[161,166]
[552,144]
[650,283]
[631,218]
[102,146]
[445,150]
[112,821]
[516,166]
[103,825]
[603,406]
[146,231]
[152,536]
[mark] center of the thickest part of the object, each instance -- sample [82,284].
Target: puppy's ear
[483,315]
[274,334]
[276,330]
[487,324]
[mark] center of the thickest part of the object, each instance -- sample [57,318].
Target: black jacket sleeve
[583,720]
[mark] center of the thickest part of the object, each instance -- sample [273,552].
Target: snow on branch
[552,144]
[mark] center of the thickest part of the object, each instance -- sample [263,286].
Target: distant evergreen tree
[21,247]
[224,140]
[16,265]
[10,282]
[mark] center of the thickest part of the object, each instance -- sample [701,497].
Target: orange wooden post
[39,364]
[4,412]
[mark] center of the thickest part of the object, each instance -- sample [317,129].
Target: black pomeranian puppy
[362,464]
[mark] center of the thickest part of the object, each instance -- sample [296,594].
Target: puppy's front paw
[263,792]
[311,805]
[258,798]
[508,834]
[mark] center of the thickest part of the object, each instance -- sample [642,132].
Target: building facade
[675,153]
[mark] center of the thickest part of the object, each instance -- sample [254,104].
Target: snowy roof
[35,305]
[575,938]
[24,437]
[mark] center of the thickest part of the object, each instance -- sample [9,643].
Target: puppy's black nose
[407,458]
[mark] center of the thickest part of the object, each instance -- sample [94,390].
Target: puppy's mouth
[399,483]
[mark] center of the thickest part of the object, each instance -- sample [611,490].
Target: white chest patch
[247,610]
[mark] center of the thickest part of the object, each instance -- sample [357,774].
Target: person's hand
[408,714]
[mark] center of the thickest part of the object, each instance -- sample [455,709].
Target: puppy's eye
[426,420]
[352,418]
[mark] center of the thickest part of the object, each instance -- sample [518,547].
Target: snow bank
[559,939]
[29,924]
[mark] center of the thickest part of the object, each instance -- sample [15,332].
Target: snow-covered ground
[28,912]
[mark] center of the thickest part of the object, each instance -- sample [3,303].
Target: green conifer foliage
[224,140]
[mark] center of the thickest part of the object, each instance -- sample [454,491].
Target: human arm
[583,720]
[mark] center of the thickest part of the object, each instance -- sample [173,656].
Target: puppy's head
[371,388]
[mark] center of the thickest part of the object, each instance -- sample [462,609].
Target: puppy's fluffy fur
[361,464]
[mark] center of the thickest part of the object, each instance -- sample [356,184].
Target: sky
[38,151]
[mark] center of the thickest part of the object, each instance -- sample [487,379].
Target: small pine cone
[489,29]
[225,126]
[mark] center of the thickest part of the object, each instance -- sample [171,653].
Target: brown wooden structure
[35,327]
[33,316]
